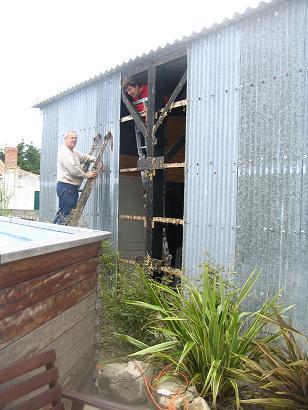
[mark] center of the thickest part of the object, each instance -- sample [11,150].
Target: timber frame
[148,125]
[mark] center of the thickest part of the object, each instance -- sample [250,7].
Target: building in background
[20,188]
[228,169]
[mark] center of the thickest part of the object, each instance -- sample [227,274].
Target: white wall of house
[19,187]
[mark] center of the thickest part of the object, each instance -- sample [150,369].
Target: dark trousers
[68,197]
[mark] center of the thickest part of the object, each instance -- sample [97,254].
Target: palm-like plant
[282,375]
[205,332]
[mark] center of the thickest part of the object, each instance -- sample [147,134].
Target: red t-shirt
[144,94]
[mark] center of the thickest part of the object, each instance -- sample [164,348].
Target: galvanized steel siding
[89,110]
[48,172]
[106,198]
[211,149]
[271,176]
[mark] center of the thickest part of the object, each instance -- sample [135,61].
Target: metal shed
[245,181]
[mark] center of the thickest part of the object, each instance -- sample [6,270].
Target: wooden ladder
[73,219]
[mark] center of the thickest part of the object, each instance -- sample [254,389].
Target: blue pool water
[7,238]
[18,233]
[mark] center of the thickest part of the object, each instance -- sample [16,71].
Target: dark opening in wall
[168,190]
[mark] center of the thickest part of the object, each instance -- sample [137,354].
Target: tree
[28,157]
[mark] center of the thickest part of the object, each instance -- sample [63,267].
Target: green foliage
[120,283]
[4,202]
[282,375]
[28,157]
[205,332]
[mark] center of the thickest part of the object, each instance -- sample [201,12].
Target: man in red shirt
[139,93]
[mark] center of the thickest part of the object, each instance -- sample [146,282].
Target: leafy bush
[282,375]
[206,335]
[120,283]
[4,203]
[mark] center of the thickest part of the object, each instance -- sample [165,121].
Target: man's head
[132,87]
[70,140]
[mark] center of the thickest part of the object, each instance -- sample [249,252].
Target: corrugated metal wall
[89,110]
[270,234]
[246,185]
[105,202]
[48,172]
[212,149]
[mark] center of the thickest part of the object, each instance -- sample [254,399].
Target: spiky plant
[282,375]
[206,333]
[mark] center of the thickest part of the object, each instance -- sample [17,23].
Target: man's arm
[68,163]
[83,158]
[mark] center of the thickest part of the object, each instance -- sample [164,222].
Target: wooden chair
[48,377]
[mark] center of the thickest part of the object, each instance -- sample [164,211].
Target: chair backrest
[21,384]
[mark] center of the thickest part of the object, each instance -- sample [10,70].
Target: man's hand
[91,174]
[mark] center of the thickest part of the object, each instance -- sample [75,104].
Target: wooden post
[150,151]
[135,114]
[171,101]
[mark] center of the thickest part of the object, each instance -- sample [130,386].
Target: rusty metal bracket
[150,163]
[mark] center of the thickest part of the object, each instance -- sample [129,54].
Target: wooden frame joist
[156,265]
[150,163]
[166,57]
[155,219]
[170,102]
[176,104]
[164,166]
[134,114]
[174,149]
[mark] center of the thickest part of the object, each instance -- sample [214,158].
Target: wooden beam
[150,163]
[166,57]
[170,102]
[151,111]
[155,264]
[156,219]
[173,150]
[176,104]
[149,213]
[135,114]
[164,166]
[150,152]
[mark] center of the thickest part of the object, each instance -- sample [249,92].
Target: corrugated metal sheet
[48,172]
[301,314]
[246,189]
[271,148]
[90,110]
[105,199]
[152,54]
[211,149]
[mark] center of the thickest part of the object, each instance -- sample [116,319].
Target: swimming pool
[48,292]
[22,239]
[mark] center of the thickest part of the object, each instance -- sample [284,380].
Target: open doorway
[168,179]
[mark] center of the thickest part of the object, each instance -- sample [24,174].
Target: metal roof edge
[263,5]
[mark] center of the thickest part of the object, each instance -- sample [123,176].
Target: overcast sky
[50,45]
